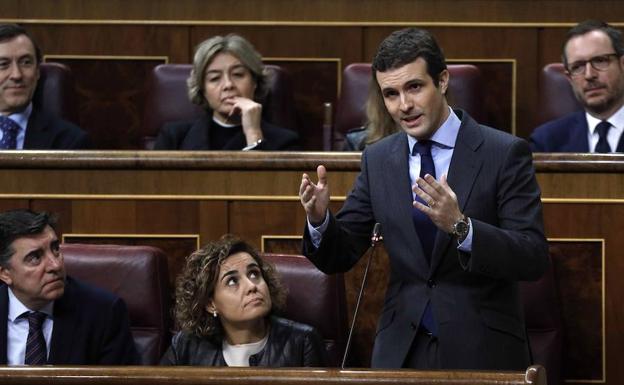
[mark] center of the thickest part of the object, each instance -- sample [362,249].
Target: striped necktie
[36,351]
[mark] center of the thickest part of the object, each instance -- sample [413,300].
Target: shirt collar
[616,120]
[445,136]
[222,124]
[17,308]
[21,118]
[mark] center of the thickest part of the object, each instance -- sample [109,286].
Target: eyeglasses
[599,63]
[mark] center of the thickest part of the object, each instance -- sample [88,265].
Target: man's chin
[597,105]
[419,132]
[54,290]
[55,294]
[17,105]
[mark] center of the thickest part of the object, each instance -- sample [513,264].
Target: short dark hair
[19,223]
[10,31]
[614,34]
[406,45]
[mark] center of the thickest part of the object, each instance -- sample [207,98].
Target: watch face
[460,228]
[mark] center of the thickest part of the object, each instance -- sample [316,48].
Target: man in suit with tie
[47,317]
[23,126]
[460,210]
[593,56]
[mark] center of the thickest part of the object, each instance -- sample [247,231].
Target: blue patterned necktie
[603,129]
[9,130]
[425,228]
[36,351]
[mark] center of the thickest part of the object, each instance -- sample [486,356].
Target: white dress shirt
[441,151]
[17,329]
[614,134]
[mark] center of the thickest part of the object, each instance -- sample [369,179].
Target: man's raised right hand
[315,197]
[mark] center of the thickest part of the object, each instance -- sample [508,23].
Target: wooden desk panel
[166,194]
[92,375]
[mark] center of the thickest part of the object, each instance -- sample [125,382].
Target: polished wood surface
[176,200]
[406,11]
[90,375]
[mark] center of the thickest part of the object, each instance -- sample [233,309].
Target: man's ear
[6,276]
[443,81]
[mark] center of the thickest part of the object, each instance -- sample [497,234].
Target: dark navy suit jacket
[91,327]
[474,297]
[566,134]
[46,132]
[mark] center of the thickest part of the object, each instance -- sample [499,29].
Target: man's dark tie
[9,131]
[603,130]
[425,228]
[36,351]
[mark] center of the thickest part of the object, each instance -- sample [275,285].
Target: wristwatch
[253,145]
[461,229]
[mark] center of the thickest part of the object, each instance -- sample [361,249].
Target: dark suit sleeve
[537,141]
[81,141]
[514,248]
[117,345]
[348,235]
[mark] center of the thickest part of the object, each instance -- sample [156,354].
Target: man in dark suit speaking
[47,317]
[461,216]
[22,125]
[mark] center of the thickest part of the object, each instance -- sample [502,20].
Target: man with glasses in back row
[593,56]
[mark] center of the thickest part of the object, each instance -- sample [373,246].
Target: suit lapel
[4,313]
[399,192]
[64,326]
[37,134]
[579,142]
[463,170]
[620,146]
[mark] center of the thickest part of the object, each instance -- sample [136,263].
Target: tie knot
[36,318]
[603,128]
[422,147]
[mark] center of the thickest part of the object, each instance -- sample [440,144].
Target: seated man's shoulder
[47,131]
[563,123]
[559,134]
[89,294]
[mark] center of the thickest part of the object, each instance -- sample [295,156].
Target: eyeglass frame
[582,64]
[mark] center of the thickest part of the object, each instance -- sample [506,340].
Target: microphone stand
[374,240]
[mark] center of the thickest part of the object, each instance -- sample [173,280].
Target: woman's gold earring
[214,313]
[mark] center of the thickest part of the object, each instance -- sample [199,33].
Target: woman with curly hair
[226,297]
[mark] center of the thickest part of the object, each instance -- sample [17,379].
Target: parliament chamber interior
[118,70]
